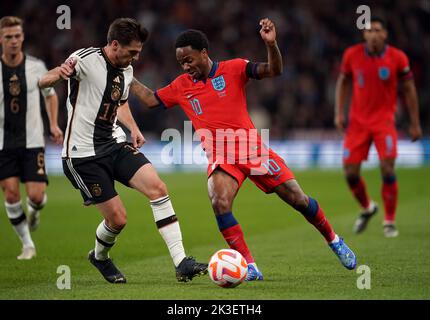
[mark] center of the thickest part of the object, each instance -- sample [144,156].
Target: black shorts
[27,164]
[95,177]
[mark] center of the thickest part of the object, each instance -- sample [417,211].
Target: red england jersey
[218,105]
[375,79]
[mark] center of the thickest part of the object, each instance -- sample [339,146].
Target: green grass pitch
[296,262]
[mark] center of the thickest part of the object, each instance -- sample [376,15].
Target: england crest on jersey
[218,83]
[384,73]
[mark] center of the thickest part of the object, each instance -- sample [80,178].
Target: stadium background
[298,109]
[297,106]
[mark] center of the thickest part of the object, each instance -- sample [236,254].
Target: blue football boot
[345,254]
[253,273]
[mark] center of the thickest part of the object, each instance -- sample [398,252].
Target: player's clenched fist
[137,138]
[415,132]
[268,31]
[67,68]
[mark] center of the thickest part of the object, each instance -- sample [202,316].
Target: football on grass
[227,268]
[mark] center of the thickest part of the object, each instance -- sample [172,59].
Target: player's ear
[115,45]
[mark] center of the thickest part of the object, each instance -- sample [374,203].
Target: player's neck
[13,60]
[209,68]
[376,50]
[110,55]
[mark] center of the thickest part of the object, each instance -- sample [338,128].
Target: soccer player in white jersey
[96,152]
[21,132]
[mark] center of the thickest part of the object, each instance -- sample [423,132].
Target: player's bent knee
[157,190]
[36,197]
[12,196]
[387,169]
[161,188]
[118,221]
[351,170]
[352,179]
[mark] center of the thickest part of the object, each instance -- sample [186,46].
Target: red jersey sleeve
[168,95]
[403,69]
[345,66]
[244,68]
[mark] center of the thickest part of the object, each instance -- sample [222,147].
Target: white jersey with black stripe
[95,92]
[21,124]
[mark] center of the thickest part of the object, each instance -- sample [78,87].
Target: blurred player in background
[212,94]
[21,132]
[95,151]
[376,70]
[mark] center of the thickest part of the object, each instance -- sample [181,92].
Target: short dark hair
[125,30]
[194,38]
[380,20]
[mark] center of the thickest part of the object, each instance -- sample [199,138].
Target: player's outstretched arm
[63,72]
[51,103]
[273,66]
[341,94]
[126,118]
[144,94]
[411,99]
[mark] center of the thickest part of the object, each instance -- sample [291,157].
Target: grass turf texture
[296,262]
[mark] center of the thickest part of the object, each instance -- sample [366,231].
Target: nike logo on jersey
[278,176]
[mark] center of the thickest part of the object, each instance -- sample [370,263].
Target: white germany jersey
[21,124]
[95,92]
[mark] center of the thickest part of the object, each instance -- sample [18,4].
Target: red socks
[234,237]
[233,234]
[390,192]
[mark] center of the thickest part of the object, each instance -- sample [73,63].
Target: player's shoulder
[355,49]
[236,65]
[84,53]
[34,61]
[182,80]
[395,51]
[233,62]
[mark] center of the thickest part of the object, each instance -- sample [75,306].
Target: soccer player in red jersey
[212,94]
[376,70]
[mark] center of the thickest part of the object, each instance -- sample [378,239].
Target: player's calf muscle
[291,193]
[221,204]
